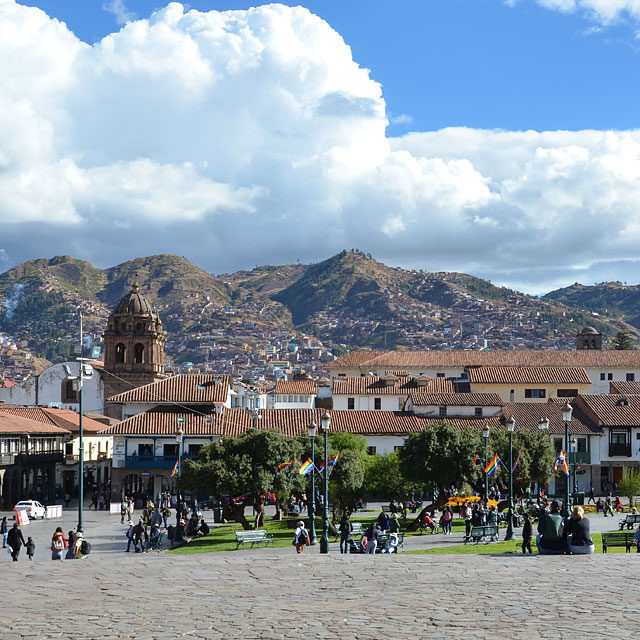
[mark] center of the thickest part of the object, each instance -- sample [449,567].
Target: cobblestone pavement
[268,594]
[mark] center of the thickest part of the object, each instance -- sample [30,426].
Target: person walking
[71,538]
[31,548]
[301,539]
[345,529]
[129,534]
[15,540]
[139,537]
[527,534]
[608,507]
[58,544]
[67,500]
[4,531]
[78,548]
[592,497]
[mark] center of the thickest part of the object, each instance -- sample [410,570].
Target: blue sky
[476,63]
[492,137]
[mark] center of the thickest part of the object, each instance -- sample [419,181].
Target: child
[31,547]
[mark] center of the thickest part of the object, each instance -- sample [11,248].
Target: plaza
[265,593]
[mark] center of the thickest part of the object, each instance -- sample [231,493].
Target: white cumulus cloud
[242,137]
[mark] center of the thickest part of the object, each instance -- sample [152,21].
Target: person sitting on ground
[392,544]
[192,527]
[599,505]
[577,532]
[550,529]
[617,505]
[204,527]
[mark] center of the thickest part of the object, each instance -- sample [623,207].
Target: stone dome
[590,330]
[135,304]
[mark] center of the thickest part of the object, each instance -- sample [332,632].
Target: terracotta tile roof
[183,389]
[415,359]
[528,414]
[63,418]
[372,385]
[630,388]
[304,387]
[14,424]
[291,422]
[611,410]
[456,400]
[528,375]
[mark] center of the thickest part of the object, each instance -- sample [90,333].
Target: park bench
[617,539]
[383,538]
[253,537]
[630,521]
[356,531]
[480,532]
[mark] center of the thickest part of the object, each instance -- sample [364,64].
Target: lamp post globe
[325,425]
[311,501]
[511,425]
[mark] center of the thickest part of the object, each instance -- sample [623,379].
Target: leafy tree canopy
[622,341]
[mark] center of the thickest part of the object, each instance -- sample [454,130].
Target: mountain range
[347,301]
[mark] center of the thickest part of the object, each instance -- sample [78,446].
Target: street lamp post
[543,425]
[485,434]
[312,499]
[325,425]
[574,451]
[511,425]
[253,406]
[567,410]
[179,440]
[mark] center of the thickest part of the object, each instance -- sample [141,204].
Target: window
[442,412]
[582,445]
[68,448]
[610,376]
[194,449]
[440,375]
[557,443]
[401,402]
[121,353]
[351,403]
[397,448]
[69,394]
[138,353]
[371,451]
[377,404]
[618,437]
[146,449]
[631,377]
[477,412]
[535,393]
[342,375]
[567,393]
[170,450]
[603,376]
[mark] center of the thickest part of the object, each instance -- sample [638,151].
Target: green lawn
[514,546]
[223,538]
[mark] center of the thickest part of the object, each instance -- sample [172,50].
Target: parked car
[33,508]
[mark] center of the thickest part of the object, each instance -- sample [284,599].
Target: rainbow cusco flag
[306,468]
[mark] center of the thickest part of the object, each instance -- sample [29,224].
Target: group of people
[75,545]
[558,535]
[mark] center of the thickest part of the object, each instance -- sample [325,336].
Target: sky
[494,137]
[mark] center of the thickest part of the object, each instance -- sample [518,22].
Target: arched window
[68,394]
[138,353]
[121,353]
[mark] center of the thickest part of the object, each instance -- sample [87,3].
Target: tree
[629,485]
[622,341]
[439,456]
[346,478]
[385,479]
[245,466]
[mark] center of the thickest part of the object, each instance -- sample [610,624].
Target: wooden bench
[356,530]
[480,532]
[383,538]
[253,537]
[630,521]
[617,539]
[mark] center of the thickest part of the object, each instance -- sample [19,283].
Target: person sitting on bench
[577,532]
[392,544]
[550,530]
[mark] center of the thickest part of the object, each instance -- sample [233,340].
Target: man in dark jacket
[16,541]
[550,529]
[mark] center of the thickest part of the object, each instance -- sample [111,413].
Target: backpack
[57,545]
[553,527]
[85,548]
[303,536]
